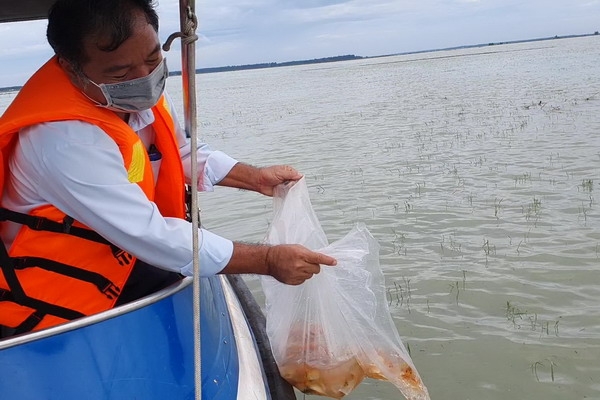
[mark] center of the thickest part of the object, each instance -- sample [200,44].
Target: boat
[149,348]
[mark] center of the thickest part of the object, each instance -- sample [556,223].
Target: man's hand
[269,177]
[261,180]
[293,264]
[288,263]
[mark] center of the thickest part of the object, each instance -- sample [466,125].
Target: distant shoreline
[491,44]
[344,58]
[273,64]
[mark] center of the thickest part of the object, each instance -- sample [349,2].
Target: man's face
[135,58]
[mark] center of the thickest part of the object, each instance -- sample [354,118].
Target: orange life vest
[62,270]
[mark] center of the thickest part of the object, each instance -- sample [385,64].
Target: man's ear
[71,72]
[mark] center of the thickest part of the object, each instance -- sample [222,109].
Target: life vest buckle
[67,224]
[123,257]
[111,291]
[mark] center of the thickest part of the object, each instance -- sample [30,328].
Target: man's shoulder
[70,131]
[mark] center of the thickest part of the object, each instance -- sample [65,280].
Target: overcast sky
[235,32]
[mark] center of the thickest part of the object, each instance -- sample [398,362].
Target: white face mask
[136,94]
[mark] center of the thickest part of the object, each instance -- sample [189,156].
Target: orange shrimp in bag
[335,329]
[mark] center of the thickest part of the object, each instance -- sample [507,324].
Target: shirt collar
[140,120]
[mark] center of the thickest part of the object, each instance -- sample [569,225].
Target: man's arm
[261,180]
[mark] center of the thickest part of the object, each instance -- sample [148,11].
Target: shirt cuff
[217,167]
[215,253]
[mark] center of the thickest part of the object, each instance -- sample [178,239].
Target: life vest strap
[66,227]
[9,265]
[45,224]
[17,294]
[104,285]
[30,322]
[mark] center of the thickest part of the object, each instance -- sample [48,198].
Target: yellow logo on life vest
[135,173]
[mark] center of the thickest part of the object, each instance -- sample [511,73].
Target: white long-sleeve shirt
[79,169]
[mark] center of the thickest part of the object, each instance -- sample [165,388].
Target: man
[94,177]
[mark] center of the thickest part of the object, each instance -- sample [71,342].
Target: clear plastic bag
[335,329]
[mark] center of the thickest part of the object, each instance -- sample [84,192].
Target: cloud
[23,48]
[255,31]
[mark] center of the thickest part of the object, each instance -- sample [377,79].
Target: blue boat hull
[146,353]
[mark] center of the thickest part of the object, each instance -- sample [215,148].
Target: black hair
[70,22]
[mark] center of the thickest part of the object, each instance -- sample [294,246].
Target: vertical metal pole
[188,76]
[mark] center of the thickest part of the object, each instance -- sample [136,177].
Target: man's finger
[325,260]
[312,269]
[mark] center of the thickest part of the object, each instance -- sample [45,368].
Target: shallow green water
[477,171]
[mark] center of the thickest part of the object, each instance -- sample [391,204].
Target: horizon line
[347,57]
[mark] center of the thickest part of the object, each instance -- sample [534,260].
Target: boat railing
[96,318]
